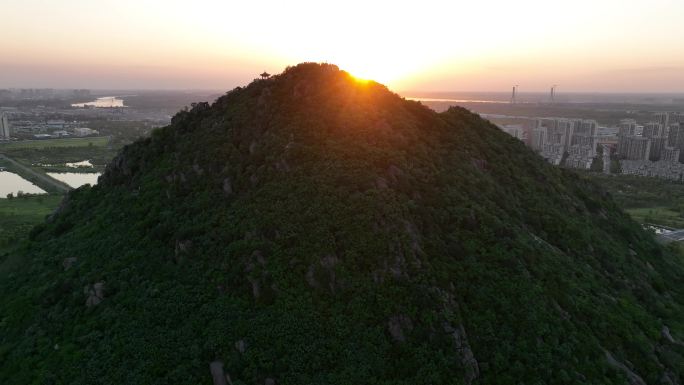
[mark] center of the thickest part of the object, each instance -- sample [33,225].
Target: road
[672,236]
[44,179]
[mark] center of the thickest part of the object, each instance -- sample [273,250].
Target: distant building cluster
[43,94]
[570,142]
[46,129]
[659,169]
[655,148]
[661,139]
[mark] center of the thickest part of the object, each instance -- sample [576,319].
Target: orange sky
[582,45]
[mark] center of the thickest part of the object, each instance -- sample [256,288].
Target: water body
[522,96]
[103,102]
[76,179]
[458,100]
[13,183]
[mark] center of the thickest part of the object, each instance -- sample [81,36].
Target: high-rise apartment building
[653,130]
[663,118]
[627,127]
[670,154]
[4,126]
[675,139]
[634,147]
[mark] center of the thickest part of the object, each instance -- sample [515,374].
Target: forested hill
[311,228]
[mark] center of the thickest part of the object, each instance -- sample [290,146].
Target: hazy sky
[489,45]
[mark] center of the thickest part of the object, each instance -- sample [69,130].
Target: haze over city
[585,46]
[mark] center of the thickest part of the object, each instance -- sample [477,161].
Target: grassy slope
[27,210]
[18,215]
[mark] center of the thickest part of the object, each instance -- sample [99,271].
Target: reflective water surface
[76,179]
[13,183]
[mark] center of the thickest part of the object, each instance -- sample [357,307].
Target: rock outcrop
[94,293]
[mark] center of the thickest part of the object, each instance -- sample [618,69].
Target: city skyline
[609,47]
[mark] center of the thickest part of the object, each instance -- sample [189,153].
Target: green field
[658,215]
[18,215]
[51,155]
[647,200]
[679,245]
[51,143]
[54,159]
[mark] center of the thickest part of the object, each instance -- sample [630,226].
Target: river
[103,102]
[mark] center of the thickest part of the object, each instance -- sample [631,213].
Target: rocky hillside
[310,228]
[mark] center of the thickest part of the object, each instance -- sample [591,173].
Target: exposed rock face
[310,276]
[381,183]
[256,287]
[197,169]
[665,332]
[394,173]
[95,294]
[256,276]
[669,378]
[68,263]
[398,325]
[323,270]
[217,373]
[480,164]
[227,186]
[63,207]
[182,247]
[240,346]
[633,378]
[472,369]
[282,165]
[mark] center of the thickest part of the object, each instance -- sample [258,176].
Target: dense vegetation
[19,214]
[313,229]
[631,191]
[647,200]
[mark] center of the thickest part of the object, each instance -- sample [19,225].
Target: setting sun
[438,45]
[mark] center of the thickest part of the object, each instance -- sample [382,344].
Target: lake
[103,102]
[13,183]
[76,179]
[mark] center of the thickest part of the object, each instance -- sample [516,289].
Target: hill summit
[311,228]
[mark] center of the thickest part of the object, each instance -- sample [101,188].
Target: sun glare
[387,72]
[359,79]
